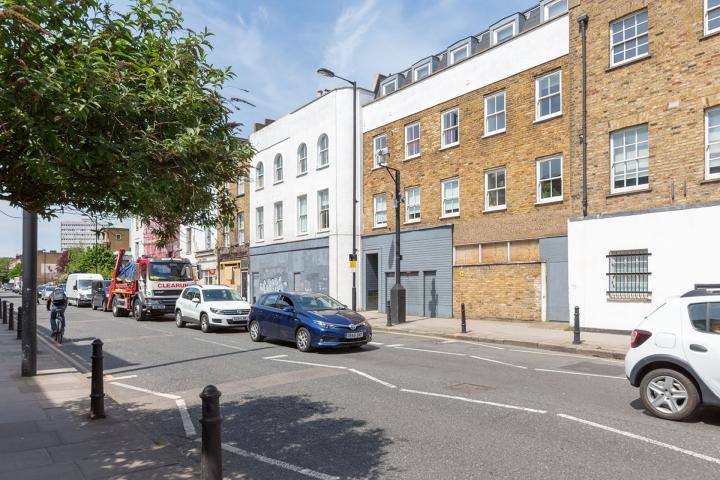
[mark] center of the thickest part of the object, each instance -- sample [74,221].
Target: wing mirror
[195,300]
[289,309]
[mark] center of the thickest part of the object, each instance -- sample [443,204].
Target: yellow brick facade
[233,260]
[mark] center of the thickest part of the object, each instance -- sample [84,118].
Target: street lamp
[397,293]
[353,256]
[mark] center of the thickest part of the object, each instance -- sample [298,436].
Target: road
[404,407]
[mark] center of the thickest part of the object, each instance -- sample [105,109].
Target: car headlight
[322,324]
[215,310]
[151,301]
[150,293]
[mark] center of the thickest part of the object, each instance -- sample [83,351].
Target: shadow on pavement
[705,414]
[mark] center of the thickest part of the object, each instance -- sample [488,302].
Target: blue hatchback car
[311,320]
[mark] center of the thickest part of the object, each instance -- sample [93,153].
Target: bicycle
[59,334]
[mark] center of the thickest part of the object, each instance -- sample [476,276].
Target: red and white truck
[147,286]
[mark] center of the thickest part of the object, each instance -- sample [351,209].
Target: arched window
[259,176]
[278,169]
[302,159]
[323,151]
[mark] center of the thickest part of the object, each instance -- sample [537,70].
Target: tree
[62,262]
[116,113]
[16,271]
[96,259]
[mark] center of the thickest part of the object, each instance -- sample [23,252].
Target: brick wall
[243,203]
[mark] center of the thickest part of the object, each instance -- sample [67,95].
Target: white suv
[211,306]
[675,355]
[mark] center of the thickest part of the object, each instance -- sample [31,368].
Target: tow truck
[147,286]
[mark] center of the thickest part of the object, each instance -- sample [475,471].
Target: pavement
[45,430]
[546,335]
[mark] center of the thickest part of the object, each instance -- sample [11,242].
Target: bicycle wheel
[59,336]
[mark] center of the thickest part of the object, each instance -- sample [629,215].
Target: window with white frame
[390,86]
[495,113]
[278,224]
[208,238]
[495,189]
[259,176]
[460,53]
[548,95]
[712,143]
[226,236]
[629,38]
[504,32]
[421,72]
[379,150]
[188,240]
[450,123]
[260,223]
[323,156]
[412,204]
[451,197]
[712,16]
[554,8]
[379,210]
[241,227]
[549,179]
[412,140]
[323,210]
[302,216]
[241,185]
[278,168]
[302,159]
[628,274]
[629,150]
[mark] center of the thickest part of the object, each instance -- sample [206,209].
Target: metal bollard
[463,326]
[11,317]
[97,392]
[211,450]
[387,311]
[19,324]
[576,327]
[4,312]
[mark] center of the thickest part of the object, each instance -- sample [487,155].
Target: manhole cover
[469,387]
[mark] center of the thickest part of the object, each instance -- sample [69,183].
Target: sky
[276,46]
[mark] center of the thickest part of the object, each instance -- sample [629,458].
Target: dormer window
[506,28]
[553,8]
[504,33]
[390,86]
[459,54]
[421,72]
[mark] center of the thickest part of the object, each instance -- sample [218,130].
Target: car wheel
[254,329]
[178,319]
[303,340]
[137,311]
[669,394]
[205,323]
[116,310]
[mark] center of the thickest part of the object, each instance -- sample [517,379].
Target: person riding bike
[57,302]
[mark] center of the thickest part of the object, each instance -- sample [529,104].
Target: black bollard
[211,451]
[463,326]
[19,324]
[97,393]
[387,311]
[4,312]
[11,317]
[576,327]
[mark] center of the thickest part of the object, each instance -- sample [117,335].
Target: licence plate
[240,319]
[158,307]
[355,335]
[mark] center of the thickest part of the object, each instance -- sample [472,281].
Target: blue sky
[276,46]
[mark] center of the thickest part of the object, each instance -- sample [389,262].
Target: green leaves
[114,113]
[96,259]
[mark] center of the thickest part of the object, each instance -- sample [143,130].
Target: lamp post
[353,256]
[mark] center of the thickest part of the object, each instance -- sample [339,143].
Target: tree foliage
[5,269]
[96,259]
[62,261]
[117,113]
[16,271]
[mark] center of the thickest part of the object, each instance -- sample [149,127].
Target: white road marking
[185,416]
[432,351]
[80,367]
[396,345]
[570,355]
[145,390]
[278,463]
[579,373]
[370,377]
[442,338]
[235,347]
[124,377]
[376,343]
[472,400]
[82,343]
[497,361]
[274,357]
[309,363]
[642,439]
[51,371]
[449,341]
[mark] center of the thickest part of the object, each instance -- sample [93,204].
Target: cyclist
[57,302]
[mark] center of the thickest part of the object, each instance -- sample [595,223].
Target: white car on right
[675,355]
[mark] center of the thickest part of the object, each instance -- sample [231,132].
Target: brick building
[234,241]
[116,238]
[653,155]
[480,134]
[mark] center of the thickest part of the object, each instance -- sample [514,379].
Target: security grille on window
[323,210]
[379,146]
[630,152]
[712,16]
[629,37]
[450,128]
[412,204]
[712,142]
[628,274]
[495,113]
[548,95]
[380,210]
[278,220]
[412,140]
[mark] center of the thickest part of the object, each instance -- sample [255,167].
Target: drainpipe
[583,21]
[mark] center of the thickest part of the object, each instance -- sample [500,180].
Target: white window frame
[376,198]
[241,227]
[497,113]
[320,210]
[443,213]
[419,208]
[538,98]
[632,188]
[613,44]
[260,224]
[427,65]
[451,54]
[548,5]
[407,142]
[444,128]
[709,175]
[226,235]
[376,157]
[302,157]
[539,181]
[302,216]
[489,208]
[512,24]
[277,169]
[278,220]
[707,11]
[393,83]
[259,176]
[241,186]
[322,151]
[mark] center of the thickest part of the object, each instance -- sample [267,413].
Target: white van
[78,288]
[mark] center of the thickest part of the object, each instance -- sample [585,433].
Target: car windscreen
[170,271]
[83,284]
[220,295]
[316,302]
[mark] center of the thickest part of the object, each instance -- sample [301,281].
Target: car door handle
[697,348]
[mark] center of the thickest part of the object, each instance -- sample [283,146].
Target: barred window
[628,274]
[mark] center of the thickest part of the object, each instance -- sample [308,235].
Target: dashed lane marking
[472,400]
[396,345]
[376,343]
[579,373]
[310,364]
[370,377]
[145,390]
[124,377]
[449,341]
[226,345]
[278,463]
[497,361]
[185,416]
[274,357]
[569,355]
[431,351]
[634,436]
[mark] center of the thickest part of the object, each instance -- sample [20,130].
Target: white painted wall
[684,251]
[330,114]
[542,44]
